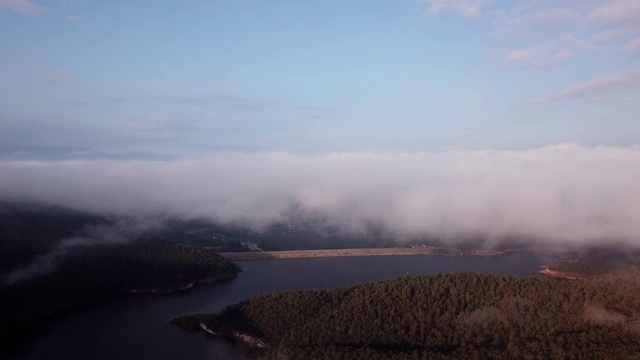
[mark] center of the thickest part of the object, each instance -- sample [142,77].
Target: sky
[444,117]
[169,78]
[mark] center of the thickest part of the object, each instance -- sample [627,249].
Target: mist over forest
[564,195]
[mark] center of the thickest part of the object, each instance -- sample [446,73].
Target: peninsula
[445,316]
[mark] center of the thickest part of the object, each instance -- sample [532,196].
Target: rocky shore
[199,322]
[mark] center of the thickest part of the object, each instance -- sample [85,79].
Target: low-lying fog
[565,194]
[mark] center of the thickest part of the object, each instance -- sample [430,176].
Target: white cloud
[565,193]
[542,56]
[615,12]
[23,6]
[543,34]
[75,18]
[613,34]
[632,46]
[549,17]
[616,81]
[469,9]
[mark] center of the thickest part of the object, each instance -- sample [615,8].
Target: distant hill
[297,234]
[29,230]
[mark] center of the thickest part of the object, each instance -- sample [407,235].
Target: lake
[137,327]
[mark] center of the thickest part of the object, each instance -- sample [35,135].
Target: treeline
[299,234]
[584,267]
[29,230]
[455,316]
[599,260]
[89,274]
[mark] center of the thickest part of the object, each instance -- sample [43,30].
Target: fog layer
[566,193]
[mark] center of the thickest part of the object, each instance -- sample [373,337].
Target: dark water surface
[137,327]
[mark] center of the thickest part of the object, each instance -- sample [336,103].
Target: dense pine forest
[453,316]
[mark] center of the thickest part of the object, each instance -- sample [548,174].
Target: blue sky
[177,78]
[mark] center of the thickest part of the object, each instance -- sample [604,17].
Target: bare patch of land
[427,250]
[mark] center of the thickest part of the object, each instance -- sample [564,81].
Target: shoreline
[299,254]
[559,274]
[397,251]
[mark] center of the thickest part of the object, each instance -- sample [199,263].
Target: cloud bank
[469,9]
[564,194]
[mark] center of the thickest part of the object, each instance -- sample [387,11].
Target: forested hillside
[298,233]
[461,316]
[86,275]
[28,230]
